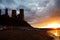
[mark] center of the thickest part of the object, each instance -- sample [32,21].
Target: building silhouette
[5,18]
[6,13]
[14,20]
[21,15]
[13,13]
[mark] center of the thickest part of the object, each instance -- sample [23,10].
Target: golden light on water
[54,32]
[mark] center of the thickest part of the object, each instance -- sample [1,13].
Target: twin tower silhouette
[18,20]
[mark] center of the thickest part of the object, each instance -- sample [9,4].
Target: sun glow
[52,25]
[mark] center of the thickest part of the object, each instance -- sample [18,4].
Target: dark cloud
[58,3]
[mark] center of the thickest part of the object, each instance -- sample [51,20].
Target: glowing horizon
[51,24]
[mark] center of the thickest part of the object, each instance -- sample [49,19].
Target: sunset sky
[37,12]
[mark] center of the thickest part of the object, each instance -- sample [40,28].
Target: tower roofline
[21,14]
